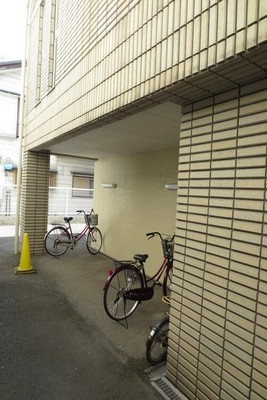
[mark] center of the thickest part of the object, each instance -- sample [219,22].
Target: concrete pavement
[56,341]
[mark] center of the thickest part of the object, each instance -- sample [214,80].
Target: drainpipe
[21,133]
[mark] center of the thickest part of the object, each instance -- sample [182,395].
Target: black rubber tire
[123,278]
[52,241]
[94,241]
[157,342]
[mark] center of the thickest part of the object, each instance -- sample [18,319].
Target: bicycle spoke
[94,240]
[54,241]
[119,298]
[157,343]
[116,305]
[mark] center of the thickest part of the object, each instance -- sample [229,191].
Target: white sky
[12,29]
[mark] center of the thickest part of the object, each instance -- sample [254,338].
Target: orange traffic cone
[25,266]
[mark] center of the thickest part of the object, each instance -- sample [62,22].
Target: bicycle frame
[75,238]
[147,292]
[79,235]
[158,274]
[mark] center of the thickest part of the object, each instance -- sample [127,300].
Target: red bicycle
[127,286]
[60,238]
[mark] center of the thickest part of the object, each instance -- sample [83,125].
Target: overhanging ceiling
[150,127]
[153,129]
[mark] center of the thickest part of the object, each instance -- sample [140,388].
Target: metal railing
[65,201]
[8,194]
[62,201]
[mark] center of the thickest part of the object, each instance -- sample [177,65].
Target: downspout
[21,133]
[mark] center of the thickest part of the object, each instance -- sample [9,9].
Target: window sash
[81,185]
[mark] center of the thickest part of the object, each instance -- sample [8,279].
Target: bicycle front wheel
[157,343]
[167,281]
[116,305]
[55,241]
[94,240]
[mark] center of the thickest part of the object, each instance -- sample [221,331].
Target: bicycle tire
[157,342]
[167,281]
[52,243]
[94,240]
[125,277]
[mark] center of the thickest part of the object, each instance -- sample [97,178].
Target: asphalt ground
[56,342]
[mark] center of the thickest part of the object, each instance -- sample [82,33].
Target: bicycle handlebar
[152,234]
[82,211]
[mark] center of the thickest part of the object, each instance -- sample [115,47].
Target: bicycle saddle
[68,219]
[140,257]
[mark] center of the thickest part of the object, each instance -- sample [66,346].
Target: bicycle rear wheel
[116,305]
[157,342]
[94,240]
[55,241]
[167,281]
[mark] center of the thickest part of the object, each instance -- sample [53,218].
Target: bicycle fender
[156,328]
[152,333]
[112,273]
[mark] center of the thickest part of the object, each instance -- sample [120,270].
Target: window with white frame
[9,106]
[82,185]
[52,179]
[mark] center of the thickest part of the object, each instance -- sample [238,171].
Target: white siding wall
[61,201]
[9,152]
[10,80]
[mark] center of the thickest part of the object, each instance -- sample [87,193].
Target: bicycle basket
[167,248]
[91,219]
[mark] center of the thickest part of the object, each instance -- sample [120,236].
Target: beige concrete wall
[218,332]
[97,57]
[139,203]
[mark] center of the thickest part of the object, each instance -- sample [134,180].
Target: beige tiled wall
[109,54]
[218,338]
[34,199]
[113,53]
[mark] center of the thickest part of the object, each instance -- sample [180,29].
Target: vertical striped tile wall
[218,338]
[34,199]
